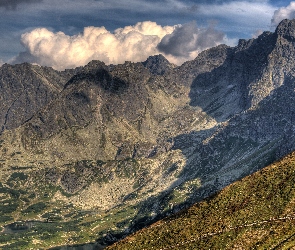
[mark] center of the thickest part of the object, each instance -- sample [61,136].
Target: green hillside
[256,212]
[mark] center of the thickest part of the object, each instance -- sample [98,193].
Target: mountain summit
[158,65]
[109,149]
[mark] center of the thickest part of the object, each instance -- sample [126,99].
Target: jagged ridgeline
[100,151]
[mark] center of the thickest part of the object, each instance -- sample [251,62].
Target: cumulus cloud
[131,43]
[12,4]
[283,13]
[189,38]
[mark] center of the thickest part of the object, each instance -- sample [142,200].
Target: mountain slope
[251,97]
[116,147]
[255,212]
[25,89]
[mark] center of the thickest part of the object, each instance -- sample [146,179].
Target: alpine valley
[93,154]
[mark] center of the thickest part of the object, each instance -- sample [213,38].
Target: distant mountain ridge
[147,137]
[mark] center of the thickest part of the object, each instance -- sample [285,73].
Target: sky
[69,33]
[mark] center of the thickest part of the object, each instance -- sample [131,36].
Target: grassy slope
[256,212]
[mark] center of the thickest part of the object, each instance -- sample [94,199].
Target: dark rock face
[286,29]
[251,94]
[158,65]
[117,93]
[25,89]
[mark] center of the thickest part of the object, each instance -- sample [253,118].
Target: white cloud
[60,51]
[239,18]
[283,13]
[131,43]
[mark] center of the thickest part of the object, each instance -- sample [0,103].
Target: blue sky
[191,25]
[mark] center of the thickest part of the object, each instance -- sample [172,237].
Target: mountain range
[98,152]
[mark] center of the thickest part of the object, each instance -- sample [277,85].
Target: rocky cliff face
[151,136]
[251,96]
[25,89]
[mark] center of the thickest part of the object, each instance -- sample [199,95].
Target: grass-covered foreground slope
[256,212]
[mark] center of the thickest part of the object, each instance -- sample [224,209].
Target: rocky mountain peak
[286,29]
[93,66]
[158,64]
